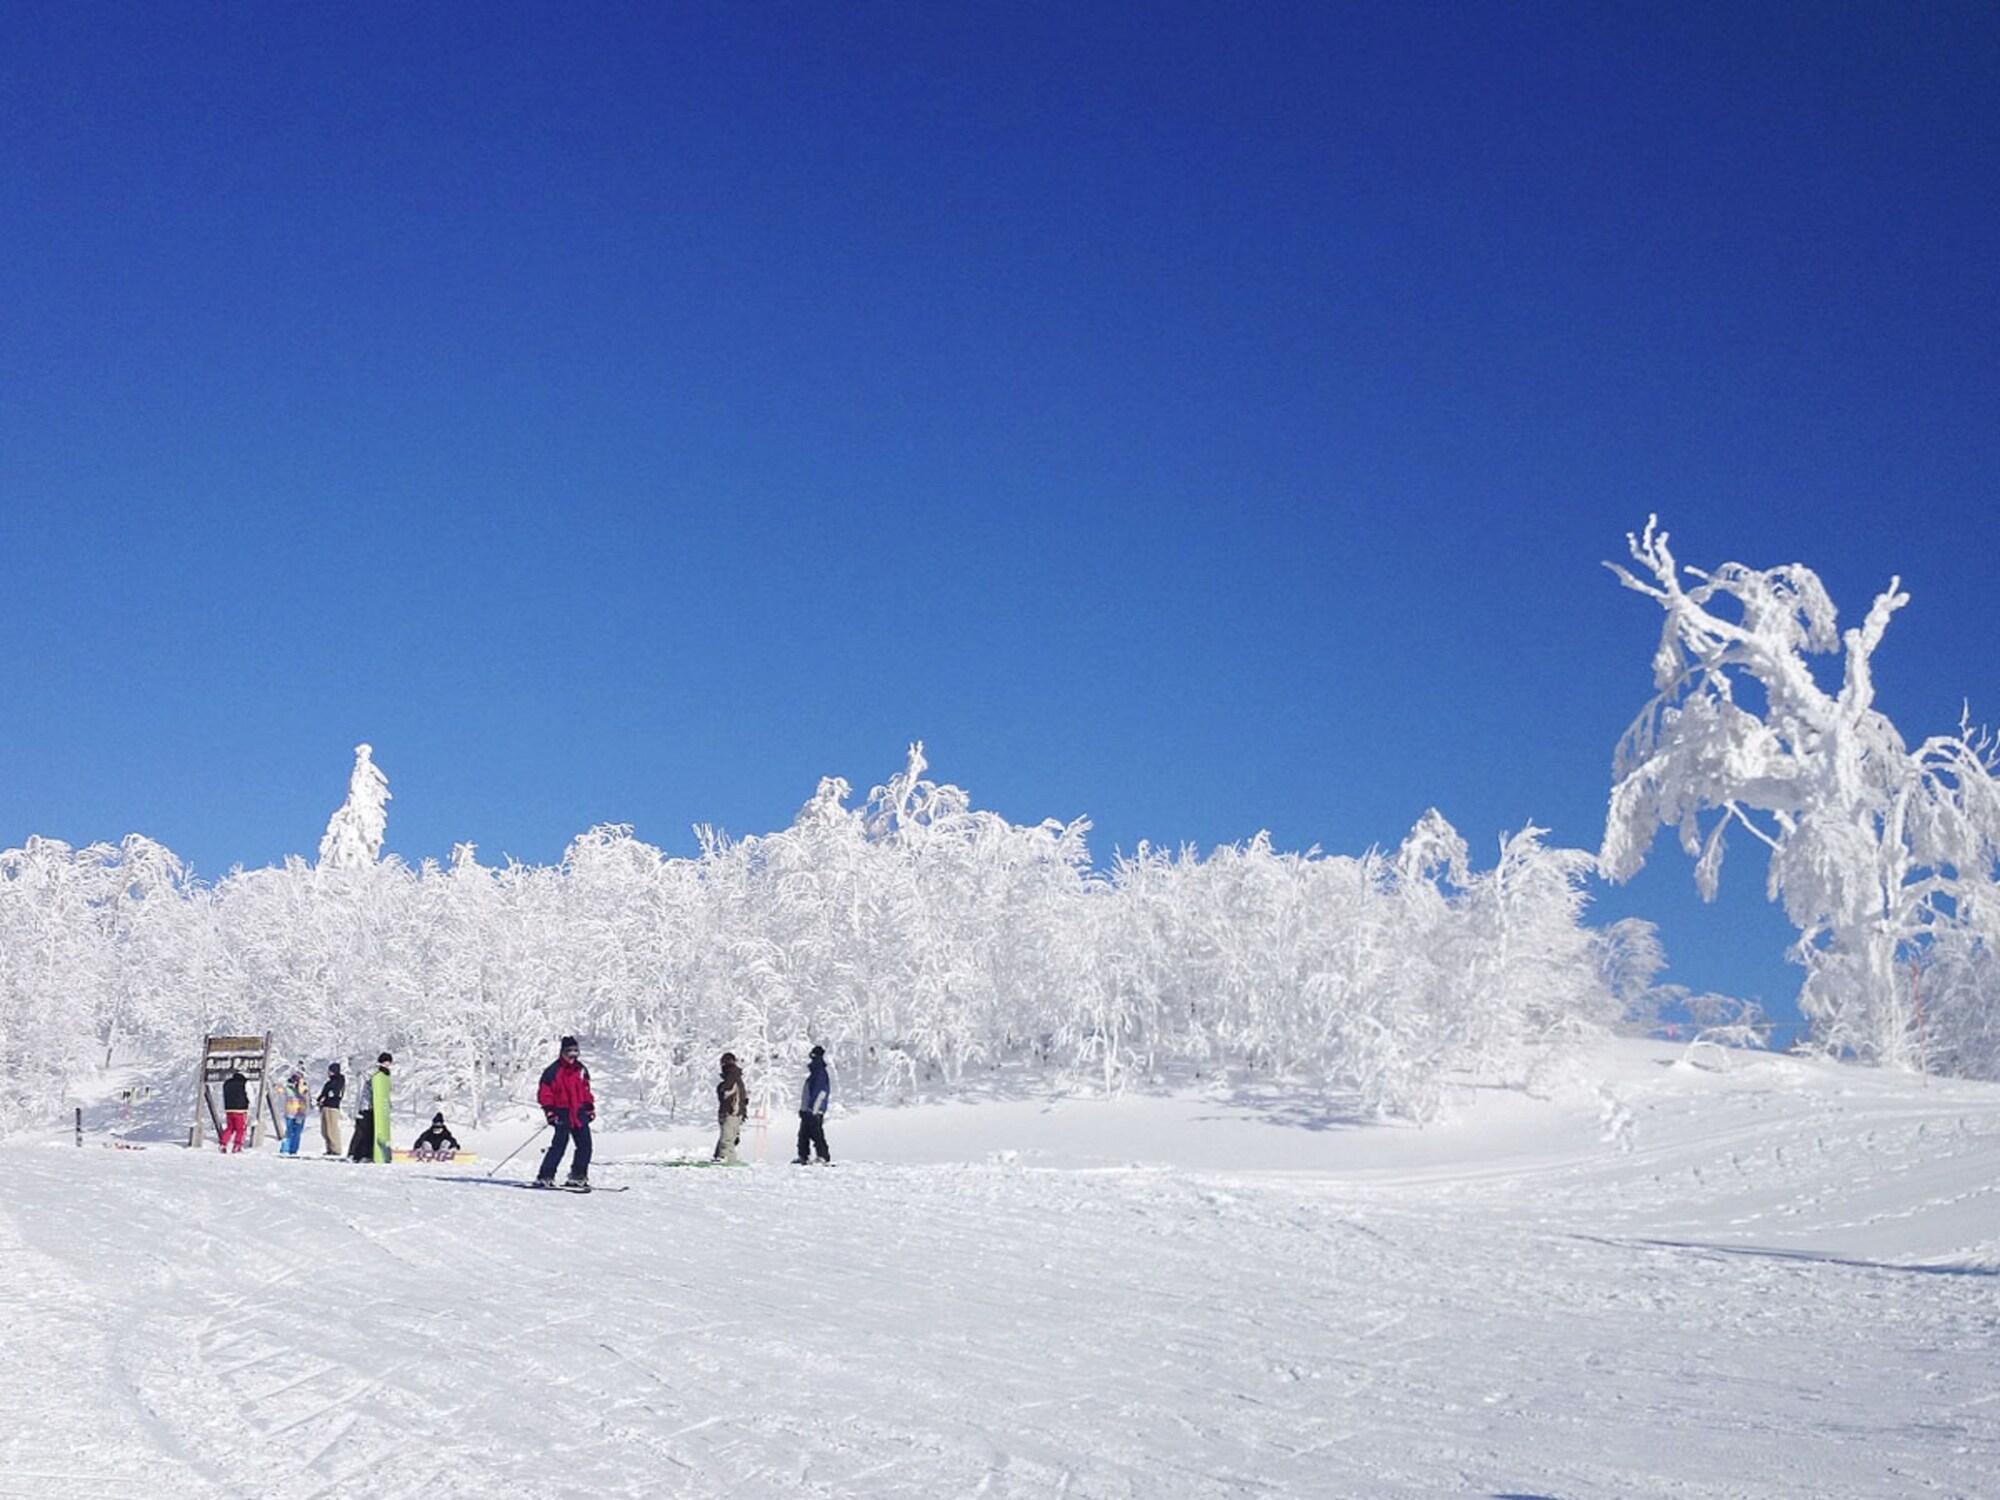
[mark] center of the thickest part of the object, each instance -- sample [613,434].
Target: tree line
[918,938]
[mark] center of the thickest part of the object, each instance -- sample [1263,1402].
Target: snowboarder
[812,1110]
[732,1103]
[235,1110]
[362,1147]
[330,1094]
[378,1097]
[437,1141]
[566,1099]
[296,1101]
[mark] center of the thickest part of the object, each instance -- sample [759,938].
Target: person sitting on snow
[437,1141]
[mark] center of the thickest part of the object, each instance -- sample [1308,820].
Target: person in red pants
[235,1110]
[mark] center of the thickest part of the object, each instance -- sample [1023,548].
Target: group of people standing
[732,1108]
[296,1101]
[566,1103]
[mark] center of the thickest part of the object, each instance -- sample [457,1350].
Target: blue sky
[1201,419]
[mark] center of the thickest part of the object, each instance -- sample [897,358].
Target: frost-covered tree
[353,838]
[923,941]
[1882,855]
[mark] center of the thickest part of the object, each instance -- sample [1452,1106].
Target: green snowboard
[378,1091]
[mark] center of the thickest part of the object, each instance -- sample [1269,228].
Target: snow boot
[577,1185]
[545,1182]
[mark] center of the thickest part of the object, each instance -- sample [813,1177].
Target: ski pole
[518,1149]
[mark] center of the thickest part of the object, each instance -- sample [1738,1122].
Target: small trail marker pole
[1923,1036]
[79,1124]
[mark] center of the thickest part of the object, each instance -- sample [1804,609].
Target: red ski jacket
[566,1087]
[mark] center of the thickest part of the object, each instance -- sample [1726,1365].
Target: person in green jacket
[378,1095]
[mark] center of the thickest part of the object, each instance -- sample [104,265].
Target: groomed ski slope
[1774,1280]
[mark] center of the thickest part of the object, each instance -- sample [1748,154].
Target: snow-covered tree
[921,940]
[1882,855]
[353,838]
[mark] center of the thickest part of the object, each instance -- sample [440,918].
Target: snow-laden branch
[1882,856]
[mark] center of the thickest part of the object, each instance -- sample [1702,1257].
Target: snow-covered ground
[1782,1279]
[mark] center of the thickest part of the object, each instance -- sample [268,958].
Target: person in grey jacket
[812,1111]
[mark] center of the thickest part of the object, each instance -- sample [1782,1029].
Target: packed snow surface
[1764,1278]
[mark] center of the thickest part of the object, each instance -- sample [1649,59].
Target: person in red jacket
[566,1099]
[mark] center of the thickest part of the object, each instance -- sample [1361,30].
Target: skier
[235,1110]
[812,1110]
[330,1094]
[378,1097]
[438,1140]
[732,1103]
[566,1099]
[297,1101]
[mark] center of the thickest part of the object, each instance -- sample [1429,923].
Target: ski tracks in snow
[1674,1314]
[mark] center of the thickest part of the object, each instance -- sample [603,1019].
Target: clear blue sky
[1202,418]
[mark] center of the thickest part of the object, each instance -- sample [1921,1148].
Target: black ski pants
[579,1165]
[812,1134]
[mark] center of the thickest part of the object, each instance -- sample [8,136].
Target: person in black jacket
[362,1147]
[437,1141]
[235,1110]
[813,1100]
[330,1094]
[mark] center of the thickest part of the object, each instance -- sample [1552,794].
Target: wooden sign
[221,1056]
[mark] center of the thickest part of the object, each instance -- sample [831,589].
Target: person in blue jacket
[812,1110]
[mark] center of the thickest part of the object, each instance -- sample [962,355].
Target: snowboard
[378,1086]
[525,1185]
[683,1161]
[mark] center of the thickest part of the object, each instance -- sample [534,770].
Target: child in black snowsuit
[437,1141]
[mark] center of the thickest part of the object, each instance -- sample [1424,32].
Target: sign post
[221,1056]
